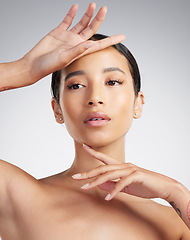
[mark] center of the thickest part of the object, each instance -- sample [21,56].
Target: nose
[95,97]
[95,103]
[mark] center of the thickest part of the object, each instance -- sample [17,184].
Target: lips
[97,117]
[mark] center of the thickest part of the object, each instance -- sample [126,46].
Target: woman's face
[94,85]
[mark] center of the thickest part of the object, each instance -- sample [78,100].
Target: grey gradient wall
[157,33]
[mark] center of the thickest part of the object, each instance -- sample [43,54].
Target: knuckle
[108,174]
[69,15]
[98,18]
[82,24]
[90,27]
[101,168]
[91,173]
[87,175]
[128,164]
[83,35]
[103,178]
[134,169]
[74,29]
[138,173]
[124,178]
[86,15]
[123,165]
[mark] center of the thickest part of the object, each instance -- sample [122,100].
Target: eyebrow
[113,69]
[72,74]
[78,73]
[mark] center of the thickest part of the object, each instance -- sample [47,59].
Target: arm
[138,182]
[14,75]
[179,199]
[57,49]
[8,172]
[14,184]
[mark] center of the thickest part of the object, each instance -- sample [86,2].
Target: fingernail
[85,186]
[89,44]
[86,146]
[108,197]
[78,175]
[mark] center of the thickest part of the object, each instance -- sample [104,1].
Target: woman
[97,96]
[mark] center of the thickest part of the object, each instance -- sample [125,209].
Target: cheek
[124,103]
[69,107]
[123,110]
[72,111]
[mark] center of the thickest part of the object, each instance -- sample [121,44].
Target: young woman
[97,94]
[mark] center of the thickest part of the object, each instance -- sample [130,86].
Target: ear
[57,111]
[138,106]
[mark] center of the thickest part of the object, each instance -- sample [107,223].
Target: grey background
[157,33]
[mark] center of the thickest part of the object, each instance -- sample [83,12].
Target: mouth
[97,119]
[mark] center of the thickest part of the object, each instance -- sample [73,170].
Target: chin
[103,142]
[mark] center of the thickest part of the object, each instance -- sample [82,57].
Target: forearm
[14,75]
[179,199]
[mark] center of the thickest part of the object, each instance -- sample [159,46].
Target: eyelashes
[76,86]
[114,82]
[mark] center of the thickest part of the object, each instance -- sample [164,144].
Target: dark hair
[133,67]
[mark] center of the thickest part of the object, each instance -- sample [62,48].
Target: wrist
[176,190]
[14,74]
[26,68]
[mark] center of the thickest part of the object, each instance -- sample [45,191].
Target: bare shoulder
[162,219]
[14,182]
[17,189]
[167,219]
[10,172]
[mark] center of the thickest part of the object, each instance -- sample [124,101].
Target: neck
[84,162]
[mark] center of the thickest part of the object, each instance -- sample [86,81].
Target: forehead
[97,61]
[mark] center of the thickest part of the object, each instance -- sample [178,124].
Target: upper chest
[76,217]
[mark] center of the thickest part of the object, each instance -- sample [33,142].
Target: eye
[114,82]
[75,86]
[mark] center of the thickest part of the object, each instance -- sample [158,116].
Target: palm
[59,48]
[66,39]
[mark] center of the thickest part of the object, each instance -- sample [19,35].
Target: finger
[95,24]
[95,46]
[111,175]
[67,21]
[98,171]
[107,186]
[83,23]
[68,56]
[100,156]
[123,185]
[106,42]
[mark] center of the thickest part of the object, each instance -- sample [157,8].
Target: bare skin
[57,207]
[57,49]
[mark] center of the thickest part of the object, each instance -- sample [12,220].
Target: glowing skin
[97,91]
[52,207]
[118,100]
